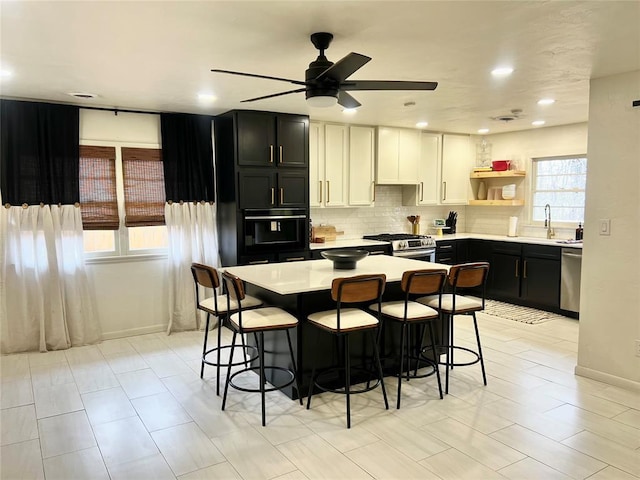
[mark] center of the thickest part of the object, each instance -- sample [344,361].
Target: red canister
[500,165]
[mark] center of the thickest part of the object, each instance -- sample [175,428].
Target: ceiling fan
[326,82]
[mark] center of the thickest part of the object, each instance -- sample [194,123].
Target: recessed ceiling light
[483,130]
[546,101]
[422,124]
[537,123]
[349,111]
[501,71]
[207,97]
[83,95]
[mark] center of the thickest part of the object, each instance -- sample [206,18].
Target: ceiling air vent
[515,114]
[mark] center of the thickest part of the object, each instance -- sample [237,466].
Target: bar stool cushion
[463,304]
[264,319]
[350,319]
[208,304]
[415,310]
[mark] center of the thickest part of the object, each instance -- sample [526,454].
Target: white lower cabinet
[457,162]
[426,191]
[361,165]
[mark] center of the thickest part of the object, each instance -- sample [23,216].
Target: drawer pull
[377,252]
[295,259]
[445,247]
[258,262]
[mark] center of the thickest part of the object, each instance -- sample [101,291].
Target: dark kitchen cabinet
[263,188]
[270,139]
[526,274]
[446,252]
[262,162]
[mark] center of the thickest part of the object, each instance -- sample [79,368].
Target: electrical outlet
[637,348]
[605,226]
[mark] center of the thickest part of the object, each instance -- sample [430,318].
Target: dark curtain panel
[187,155]
[39,152]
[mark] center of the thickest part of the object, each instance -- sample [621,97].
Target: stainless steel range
[418,247]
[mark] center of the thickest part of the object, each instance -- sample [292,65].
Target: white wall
[521,147]
[610,300]
[131,293]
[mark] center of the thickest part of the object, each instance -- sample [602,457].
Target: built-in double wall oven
[276,229]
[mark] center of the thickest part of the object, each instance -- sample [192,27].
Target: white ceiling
[158,55]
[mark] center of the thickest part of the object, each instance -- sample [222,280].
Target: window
[559,182]
[122,182]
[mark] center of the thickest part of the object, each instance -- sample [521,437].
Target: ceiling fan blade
[275,95]
[295,82]
[387,85]
[347,101]
[344,67]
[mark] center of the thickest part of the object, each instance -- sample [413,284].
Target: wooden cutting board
[326,232]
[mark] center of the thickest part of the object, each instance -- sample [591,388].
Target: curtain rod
[116,110]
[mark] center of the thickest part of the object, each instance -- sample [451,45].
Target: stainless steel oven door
[424,254]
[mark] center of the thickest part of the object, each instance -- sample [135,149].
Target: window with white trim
[146,235]
[559,182]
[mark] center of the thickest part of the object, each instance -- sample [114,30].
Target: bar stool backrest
[423,282]
[207,277]
[468,275]
[360,288]
[235,287]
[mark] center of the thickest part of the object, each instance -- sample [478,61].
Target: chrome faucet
[547,221]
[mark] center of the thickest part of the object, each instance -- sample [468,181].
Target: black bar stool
[408,313]
[207,277]
[258,321]
[461,277]
[342,322]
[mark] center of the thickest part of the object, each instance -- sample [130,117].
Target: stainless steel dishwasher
[571,269]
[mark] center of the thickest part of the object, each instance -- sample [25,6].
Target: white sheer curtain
[45,301]
[192,238]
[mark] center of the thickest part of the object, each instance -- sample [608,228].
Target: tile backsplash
[388,215]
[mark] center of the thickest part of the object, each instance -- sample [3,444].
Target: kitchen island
[305,287]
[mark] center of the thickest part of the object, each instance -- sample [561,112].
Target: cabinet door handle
[377,252]
[280,159]
[444,191]
[328,192]
[295,259]
[273,195]
[421,191]
[444,247]
[373,187]
[258,262]
[270,153]
[517,268]
[281,196]
[524,270]
[320,190]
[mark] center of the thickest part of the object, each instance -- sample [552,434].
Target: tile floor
[136,408]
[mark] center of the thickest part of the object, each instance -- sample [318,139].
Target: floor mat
[517,313]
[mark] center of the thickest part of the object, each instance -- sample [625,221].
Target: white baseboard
[131,332]
[607,378]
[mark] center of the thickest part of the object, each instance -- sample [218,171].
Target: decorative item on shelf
[483,154]
[439,224]
[415,224]
[344,259]
[451,221]
[482,191]
[509,191]
[500,165]
[494,193]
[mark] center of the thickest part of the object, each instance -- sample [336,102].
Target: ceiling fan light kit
[326,83]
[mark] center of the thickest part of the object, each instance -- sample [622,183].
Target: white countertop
[316,275]
[503,238]
[346,243]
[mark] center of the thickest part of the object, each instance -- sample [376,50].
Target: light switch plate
[605,226]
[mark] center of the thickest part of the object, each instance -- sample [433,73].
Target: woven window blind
[144,194]
[98,201]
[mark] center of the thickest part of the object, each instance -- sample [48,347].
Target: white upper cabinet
[361,165]
[426,192]
[457,161]
[328,157]
[316,164]
[398,155]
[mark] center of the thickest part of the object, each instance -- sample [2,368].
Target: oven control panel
[413,244]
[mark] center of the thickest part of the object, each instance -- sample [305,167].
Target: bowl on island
[344,259]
